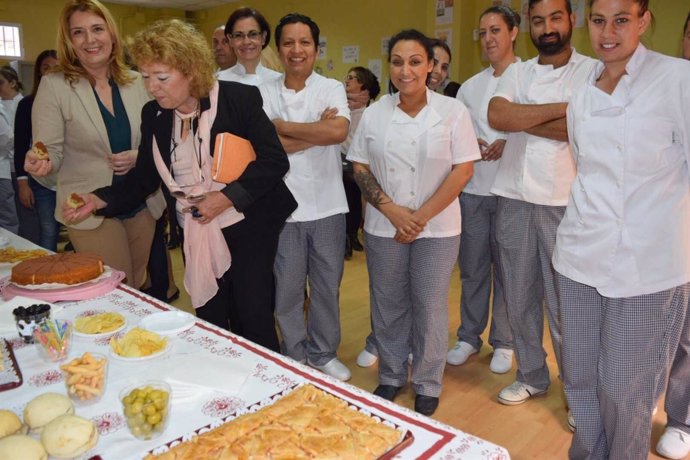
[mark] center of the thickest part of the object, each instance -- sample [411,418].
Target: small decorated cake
[64,268]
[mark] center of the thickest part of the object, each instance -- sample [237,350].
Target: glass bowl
[86,377]
[146,407]
[54,338]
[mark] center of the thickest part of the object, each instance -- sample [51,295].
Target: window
[10,41]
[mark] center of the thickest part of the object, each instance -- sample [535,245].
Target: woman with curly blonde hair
[87,113]
[241,218]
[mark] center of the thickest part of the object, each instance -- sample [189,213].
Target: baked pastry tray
[405,439]
[10,376]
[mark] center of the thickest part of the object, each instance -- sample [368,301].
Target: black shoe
[425,405]
[354,242]
[175,296]
[388,392]
[348,249]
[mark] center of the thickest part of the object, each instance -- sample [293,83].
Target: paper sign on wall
[445,35]
[351,54]
[323,47]
[444,11]
[579,10]
[384,45]
[376,67]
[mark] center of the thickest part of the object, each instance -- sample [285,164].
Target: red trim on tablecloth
[446,436]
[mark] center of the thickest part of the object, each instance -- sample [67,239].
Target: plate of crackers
[99,324]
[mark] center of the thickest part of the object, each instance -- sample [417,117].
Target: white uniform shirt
[316,174]
[535,169]
[239,74]
[6,145]
[476,93]
[625,230]
[411,157]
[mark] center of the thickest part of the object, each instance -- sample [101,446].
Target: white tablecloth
[194,408]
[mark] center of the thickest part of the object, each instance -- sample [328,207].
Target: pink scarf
[206,251]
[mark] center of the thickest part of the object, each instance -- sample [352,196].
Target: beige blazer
[66,118]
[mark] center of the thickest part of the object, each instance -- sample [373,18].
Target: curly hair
[69,64]
[179,45]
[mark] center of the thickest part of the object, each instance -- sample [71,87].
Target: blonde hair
[179,45]
[69,64]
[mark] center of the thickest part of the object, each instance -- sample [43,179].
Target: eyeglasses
[252,35]
[349,77]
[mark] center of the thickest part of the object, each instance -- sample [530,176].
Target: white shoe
[460,353]
[674,443]
[366,359]
[502,361]
[571,422]
[517,393]
[335,369]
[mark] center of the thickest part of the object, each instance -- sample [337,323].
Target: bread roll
[69,436]
[44,408]
[21,447]
[9,423]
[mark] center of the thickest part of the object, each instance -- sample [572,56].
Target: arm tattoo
[371,189]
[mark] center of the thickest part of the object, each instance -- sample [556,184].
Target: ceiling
[186,5]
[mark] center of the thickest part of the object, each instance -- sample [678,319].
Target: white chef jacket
[476,93]
[536,169]
[239,74]
[316,174]
[625,230]
[411,157]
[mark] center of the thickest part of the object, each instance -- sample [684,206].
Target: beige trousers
[124,245]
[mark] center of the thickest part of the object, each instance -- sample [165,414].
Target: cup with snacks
[27,318]
[147,408]
[54,337]
[86,377]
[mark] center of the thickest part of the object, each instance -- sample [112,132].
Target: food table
[253,373]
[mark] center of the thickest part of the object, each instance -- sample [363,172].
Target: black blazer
[260,192]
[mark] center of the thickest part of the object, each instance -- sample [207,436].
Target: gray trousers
[408,285]
[313,251]
[8,210]
[615,354]
[478,259]
[677,403]
[526,235]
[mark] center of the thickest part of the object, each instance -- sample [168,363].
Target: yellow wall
[344,23]
[665,37]
[39,21]
[355,22]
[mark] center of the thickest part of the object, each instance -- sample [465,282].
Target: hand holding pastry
[78,207]
[37,161]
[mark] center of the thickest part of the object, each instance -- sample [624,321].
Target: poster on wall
[507,3]
[384,45]
[350,54]
[376,67]
[444,11]
[323,47]
[579,10]
[445,35]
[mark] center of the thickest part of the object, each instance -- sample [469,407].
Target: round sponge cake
[63,268]
[9,423]
[21,447]
[44,408]
[69,436]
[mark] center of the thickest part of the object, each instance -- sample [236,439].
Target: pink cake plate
[84,291]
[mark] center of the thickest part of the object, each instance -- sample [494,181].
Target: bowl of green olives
[146,407]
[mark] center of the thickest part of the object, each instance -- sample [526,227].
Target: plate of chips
[138,345]
[10,255]
[99,324]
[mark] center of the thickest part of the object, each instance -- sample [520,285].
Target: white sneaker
[502,361]
[366,359]
[517,393]
[335,369]
[460,353]
[674,443]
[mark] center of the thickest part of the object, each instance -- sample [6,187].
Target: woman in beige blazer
[88,114]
